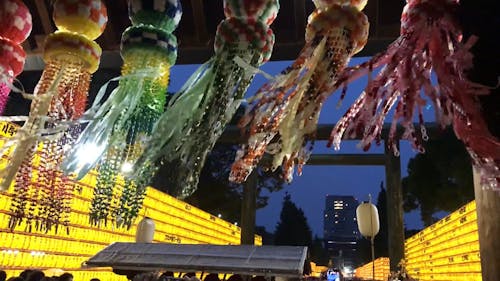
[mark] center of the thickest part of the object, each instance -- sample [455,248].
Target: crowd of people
[37,275]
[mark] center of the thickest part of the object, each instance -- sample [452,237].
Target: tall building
[341,229]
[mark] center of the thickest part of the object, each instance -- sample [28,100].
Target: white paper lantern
[145,231]
[368,221]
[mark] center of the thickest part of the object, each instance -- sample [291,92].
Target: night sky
[309,190]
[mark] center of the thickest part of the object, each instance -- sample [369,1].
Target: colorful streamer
[283,115]
[15,22]
[197,115]
[430,42]
[43,194]
[121,124]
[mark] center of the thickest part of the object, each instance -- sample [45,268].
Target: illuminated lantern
[145,231]
[425,66]
[15,22]
[119,126]
[43,194]
[368,220]
[286,110]
[196,116]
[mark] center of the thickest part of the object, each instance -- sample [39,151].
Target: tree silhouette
[439,179]
[292,228]
[319,254]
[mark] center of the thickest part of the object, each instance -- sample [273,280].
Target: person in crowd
[65,277]
[165,276]
[235,277]
[212,277]
[15,279]
[25,273]
[34,275]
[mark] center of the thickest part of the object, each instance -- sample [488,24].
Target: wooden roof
[197,28]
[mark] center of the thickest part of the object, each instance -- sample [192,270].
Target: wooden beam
[395,221]
[299,9]
[344,159]
[44,16]
[200,26]
[232,134]
[248,209]
[488,218]
[110,59]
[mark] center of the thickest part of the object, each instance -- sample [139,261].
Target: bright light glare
[127,167]
[347,270]
[89,153]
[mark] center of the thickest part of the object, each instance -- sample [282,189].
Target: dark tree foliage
[292,228]
[215,194]
[439,179]
[382,238]
[319,254]
[363,250]
[267,237]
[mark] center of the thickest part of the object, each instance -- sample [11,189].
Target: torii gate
[392,164]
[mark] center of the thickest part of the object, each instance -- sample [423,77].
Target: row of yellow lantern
[176,222]
[446,250]
[382,271]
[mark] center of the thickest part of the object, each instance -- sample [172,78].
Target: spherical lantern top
[85,17]
[12,57]
[15,20]
[368,220]
[163,14]
[262,10]
[323,4]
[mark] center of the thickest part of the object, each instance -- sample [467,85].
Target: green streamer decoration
[196,116]
[118,127]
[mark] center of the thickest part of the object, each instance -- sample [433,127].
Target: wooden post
[394,208]
[248,209]
[488,224]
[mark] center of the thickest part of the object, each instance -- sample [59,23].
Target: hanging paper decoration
[121,124]
[283,115]
[43,194]
[430,42]
[196,116]
[15,22]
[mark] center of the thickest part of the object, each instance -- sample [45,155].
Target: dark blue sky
[309,190]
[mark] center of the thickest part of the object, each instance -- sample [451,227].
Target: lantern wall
[447,250]
[382,270]
[175,220]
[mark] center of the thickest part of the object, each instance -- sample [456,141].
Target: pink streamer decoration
[4,96]
[430,41]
